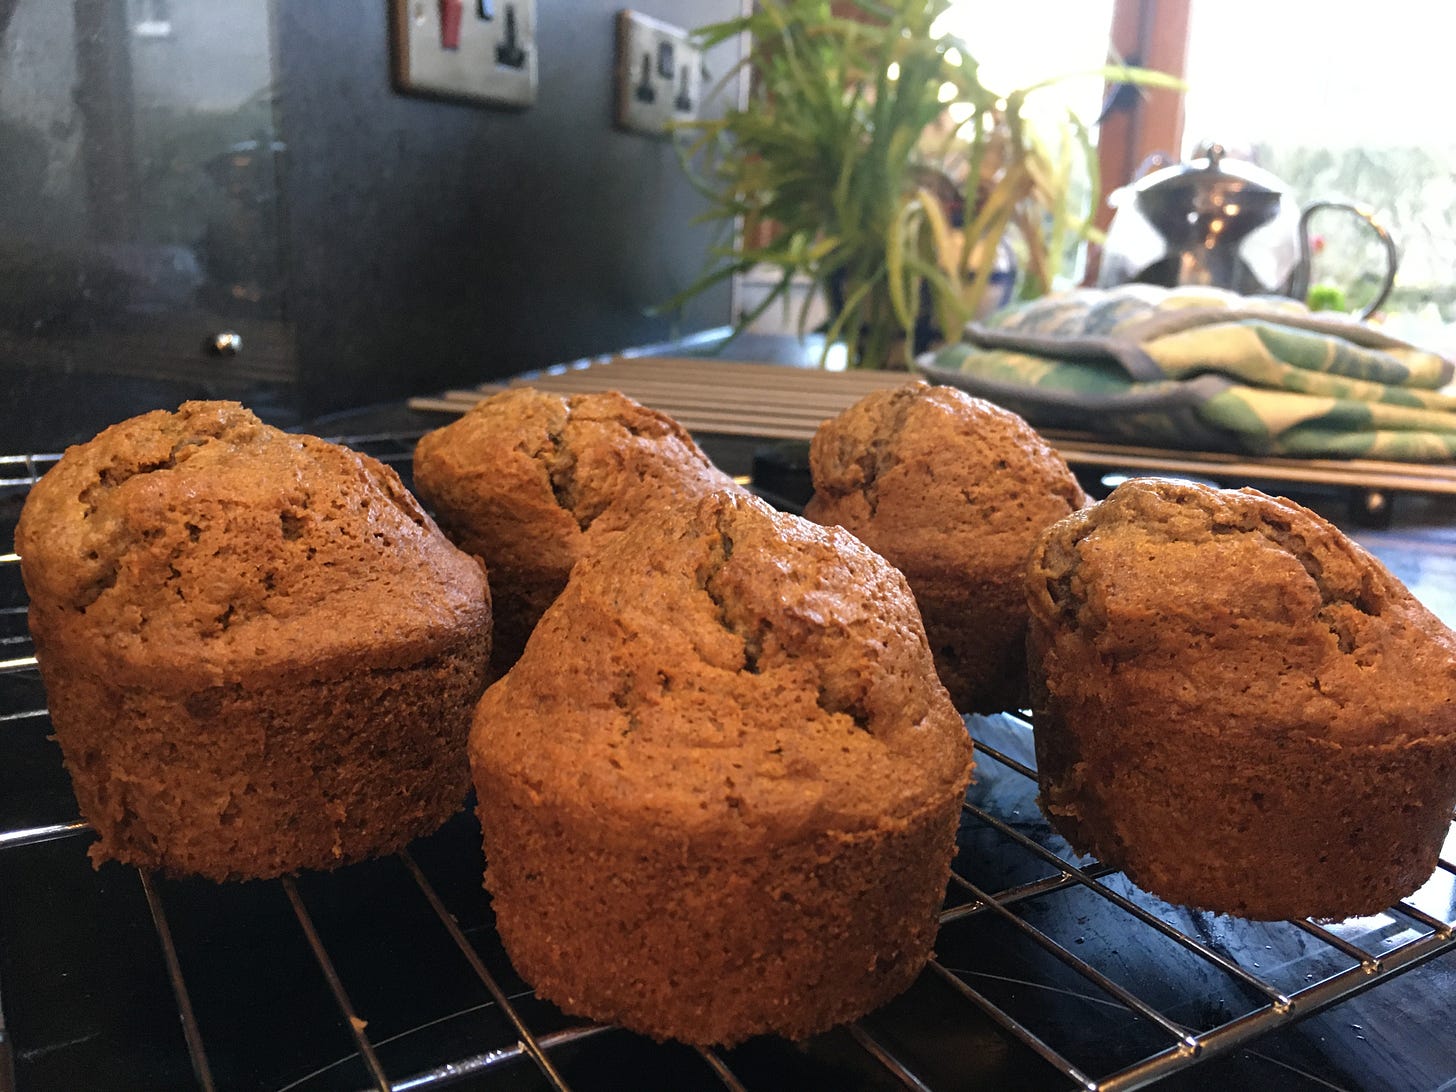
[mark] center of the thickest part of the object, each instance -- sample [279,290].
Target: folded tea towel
[1201,367]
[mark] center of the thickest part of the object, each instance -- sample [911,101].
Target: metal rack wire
[1051,965]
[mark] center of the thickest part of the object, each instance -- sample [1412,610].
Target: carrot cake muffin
[530,481]
[1237,705]
[953,491]
[720,789]
[260,654]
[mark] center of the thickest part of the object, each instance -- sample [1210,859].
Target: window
[1342,102]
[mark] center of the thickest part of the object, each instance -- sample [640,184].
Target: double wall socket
[478,50]
[659,74]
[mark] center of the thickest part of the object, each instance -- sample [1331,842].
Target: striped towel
[1209,369]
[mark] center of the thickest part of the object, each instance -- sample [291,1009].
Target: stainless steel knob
[225,343]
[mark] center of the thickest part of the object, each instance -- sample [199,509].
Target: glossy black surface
[88,1005]
[137,215]
[174,169]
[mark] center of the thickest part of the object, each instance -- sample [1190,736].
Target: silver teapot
[1221,222]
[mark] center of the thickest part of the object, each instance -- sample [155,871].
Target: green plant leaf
[843,160]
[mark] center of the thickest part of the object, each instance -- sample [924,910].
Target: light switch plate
[493,62]
[659,74]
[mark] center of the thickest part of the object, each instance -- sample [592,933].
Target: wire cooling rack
[1051,970]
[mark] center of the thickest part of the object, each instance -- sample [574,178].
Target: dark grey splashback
[139,212]
[171,170]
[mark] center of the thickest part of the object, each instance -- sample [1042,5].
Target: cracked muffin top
[1245,610]
[530,481]
[930,477]
[525,476]
[207,538]
[730,665]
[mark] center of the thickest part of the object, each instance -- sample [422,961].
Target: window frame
[1141,121]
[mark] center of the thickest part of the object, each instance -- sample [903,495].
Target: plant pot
[927,332]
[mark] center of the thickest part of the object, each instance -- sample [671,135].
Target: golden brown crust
[531,481]
[731,722]
[230,782]
[953,491]
[259,652]
[209,547]
[1238,705]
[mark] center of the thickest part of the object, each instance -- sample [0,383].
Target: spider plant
[842,166]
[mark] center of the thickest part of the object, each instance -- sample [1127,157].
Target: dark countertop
[93,930]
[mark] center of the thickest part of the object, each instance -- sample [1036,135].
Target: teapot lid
[1210,168]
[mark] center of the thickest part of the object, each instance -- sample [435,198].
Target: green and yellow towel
[1208,369]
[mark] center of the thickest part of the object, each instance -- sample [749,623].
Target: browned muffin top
[555,472]
[1243,609]
[933,476]
[211,537]
[730,671]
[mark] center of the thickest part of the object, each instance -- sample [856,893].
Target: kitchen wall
[171,170]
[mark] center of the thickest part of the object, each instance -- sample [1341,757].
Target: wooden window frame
[1142,122]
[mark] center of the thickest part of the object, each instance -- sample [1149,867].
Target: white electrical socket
[488,55]
[659,74]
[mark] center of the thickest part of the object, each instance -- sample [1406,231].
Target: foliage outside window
[1342,104]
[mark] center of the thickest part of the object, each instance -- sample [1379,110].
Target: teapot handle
[1299,280]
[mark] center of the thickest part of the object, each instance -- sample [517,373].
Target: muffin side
[259,652]
[953,491]
[1239,706]
[232,781]
[731,723]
